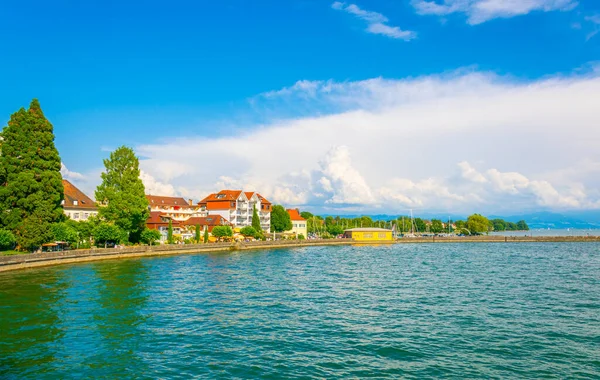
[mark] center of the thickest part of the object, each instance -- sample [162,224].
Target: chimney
[190,202]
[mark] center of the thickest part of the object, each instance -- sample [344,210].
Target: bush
[222,232]
[105,233]
[301,237]
[7,240]
[150,236]
[249,231]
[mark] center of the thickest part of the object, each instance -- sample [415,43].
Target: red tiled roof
[73,194]
[295,214]
[263,199]
[156,218]
[209,221]
[157,200]
[223,195]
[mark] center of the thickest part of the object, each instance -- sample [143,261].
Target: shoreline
[36,260]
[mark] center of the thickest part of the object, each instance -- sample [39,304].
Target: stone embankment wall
[8,263]
[82,255]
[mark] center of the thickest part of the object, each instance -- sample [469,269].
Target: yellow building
[298,223]
[369,234]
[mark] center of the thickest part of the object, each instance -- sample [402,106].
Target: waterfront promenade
[14,262]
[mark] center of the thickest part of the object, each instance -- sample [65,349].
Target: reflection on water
[30,321]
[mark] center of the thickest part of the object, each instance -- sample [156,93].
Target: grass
[10,252]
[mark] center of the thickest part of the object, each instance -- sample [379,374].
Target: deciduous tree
[122,193]
[280,219]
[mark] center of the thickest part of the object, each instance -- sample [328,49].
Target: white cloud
[154,187]
[479,11]
[594,20]
[460,142]
[377,23]
[70,175]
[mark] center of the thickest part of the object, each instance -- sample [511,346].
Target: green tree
[335,230]
[205,235]
[65,232]
[522,226]
[499,225]
[306,215]
[249,231]
[510,226]
[460,224]
[478,224]
[197,235]
[31,190]
[170,239]
[150,236]
[437,226]
[222,232]
[280,219]
[105,233]
[7,240]
[121,193]
[420,225]
[255,220]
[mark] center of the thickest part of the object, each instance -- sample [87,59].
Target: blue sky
[146,74]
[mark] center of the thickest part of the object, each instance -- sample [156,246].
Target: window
[381,235]
[74,203]
[368,235]
[86,215]
[220,196]
[75,215]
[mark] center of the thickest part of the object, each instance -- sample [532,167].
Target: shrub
[7,240]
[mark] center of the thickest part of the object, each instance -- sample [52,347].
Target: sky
[376,107]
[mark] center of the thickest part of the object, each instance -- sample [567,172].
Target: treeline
[474,224]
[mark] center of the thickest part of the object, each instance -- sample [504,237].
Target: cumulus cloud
[155,187]
[479,11]
[376,22]
[68,174]
[460,142]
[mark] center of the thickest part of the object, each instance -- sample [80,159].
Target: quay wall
[14,262]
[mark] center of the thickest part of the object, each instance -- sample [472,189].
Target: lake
[526,310]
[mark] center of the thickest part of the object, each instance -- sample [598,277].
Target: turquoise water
[525,310]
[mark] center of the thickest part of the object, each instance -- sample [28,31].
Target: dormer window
[220,196]
[74,203]
[62,202]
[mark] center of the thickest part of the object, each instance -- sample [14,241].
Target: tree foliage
[105,233]
[478,224]
[170,239]
[31,189]
[436,226]
[522,226]
[150,236]
[122,193]
[255,220]
[65,232]
[280,219]
[249,231]
[205,235]
[7,240]
[222,232]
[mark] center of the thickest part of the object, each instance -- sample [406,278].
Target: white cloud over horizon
[480,11]
[458,142]
[376,22]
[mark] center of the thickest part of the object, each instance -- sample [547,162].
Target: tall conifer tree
[256,220]
[31,190]
[122,194]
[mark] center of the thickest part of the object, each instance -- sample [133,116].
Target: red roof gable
[157,200]
[295,214]
[73,194]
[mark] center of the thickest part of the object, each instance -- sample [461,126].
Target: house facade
[237,207]
[299,226]
[177,208]
[76,204]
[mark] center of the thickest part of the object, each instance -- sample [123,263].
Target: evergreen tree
[31,190]
[122,194]
[197,233]
[205,234]
[170,232]
[255,220]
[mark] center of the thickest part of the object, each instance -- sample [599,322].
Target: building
[205,222]
[175,207]
[237,207]
[369,234]
[76,204]
[298,223]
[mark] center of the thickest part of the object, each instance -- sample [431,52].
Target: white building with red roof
[177,208]
[237,207]
[76,204]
